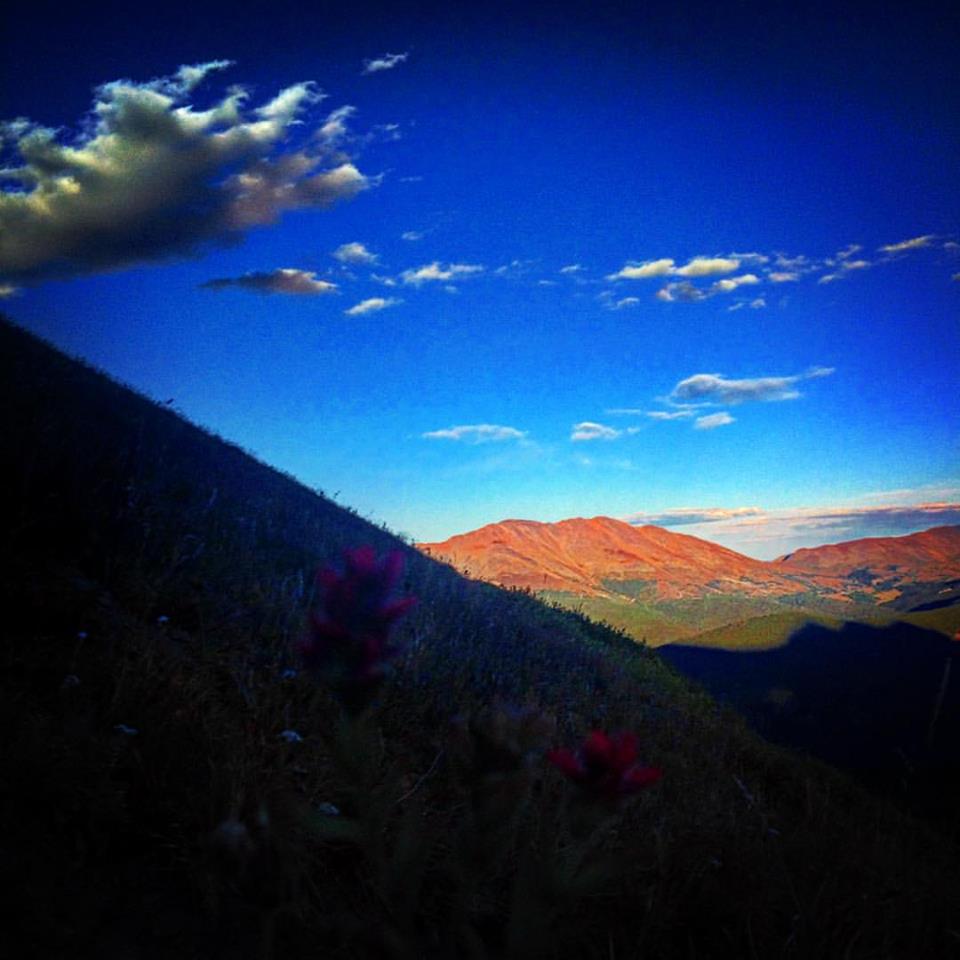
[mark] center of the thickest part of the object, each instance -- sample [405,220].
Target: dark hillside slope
[170,789]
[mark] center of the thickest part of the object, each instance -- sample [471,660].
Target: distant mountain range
[662,586]
[595,557]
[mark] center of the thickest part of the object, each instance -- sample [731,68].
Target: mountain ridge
[586,556]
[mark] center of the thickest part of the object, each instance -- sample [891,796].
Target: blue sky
[696,267]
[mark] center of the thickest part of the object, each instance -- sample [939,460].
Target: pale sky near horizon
[697,267]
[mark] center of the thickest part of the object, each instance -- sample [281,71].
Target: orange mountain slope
[583,556]
[588,557]
[931,555]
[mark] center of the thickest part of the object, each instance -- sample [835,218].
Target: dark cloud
[285,280]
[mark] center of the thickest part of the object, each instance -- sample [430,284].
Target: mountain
[888,565]
[661,586]
[598,557]
[589,557]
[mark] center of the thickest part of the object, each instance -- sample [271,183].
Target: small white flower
[291,736]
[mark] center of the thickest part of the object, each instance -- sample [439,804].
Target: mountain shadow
[880,702]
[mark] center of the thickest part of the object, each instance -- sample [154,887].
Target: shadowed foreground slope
[154,579]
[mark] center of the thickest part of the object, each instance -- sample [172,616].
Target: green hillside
[175,785]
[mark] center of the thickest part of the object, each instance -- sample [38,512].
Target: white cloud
[855,264]
[849,251]
[334,128]
[684,413]
[641,271]
[712,388]
[758,304]
[149,177]
[476,433]
[8,290]
[387,62]
[783,276]
[411,235]
[712,421]
[371,305]
[731,283]
[913,244]
[355,253]
[285,280]
[707,266]
[588,430]
[572,268]
[435,272]
[625,302]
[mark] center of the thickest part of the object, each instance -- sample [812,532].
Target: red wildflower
[348,639]
[605,765]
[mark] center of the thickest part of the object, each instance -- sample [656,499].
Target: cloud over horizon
[148,177]
[767,534]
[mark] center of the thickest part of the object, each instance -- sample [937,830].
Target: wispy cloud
[684,413]
[354,253]
[572,268]
[782,276]
[588,430]
[387,62]
[286,280]
[713,388]
[476,433]
[680,516]
[411,236]
[712,420]
[371,305]
[8,290]
[914,243]
[683,291]
[149,177]
[435,272]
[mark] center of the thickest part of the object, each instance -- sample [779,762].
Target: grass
[168,574]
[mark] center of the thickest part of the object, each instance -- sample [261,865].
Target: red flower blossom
[605,765]
[348,644]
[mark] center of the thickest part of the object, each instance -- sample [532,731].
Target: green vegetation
[761,633]
[171,788]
